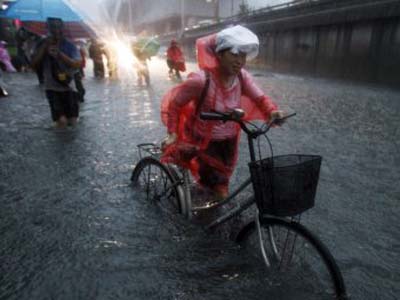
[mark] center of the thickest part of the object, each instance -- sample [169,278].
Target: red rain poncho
[180,113]
[175,55]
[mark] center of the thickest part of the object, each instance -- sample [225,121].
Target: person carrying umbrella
[143,49]
[60,60]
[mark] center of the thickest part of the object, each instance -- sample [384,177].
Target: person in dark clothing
[78,76]
[96,52]
[82,51]
[60,60]
[79,86]
[21,36]
[27,42]
[175,60]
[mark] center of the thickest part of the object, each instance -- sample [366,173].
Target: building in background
[163,17]
[176,16]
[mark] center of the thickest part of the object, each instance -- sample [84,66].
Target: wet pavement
[72,227]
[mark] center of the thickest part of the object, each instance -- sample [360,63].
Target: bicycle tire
[159,183]
[297,260]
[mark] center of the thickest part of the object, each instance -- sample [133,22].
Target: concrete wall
[357,40]
[365,50]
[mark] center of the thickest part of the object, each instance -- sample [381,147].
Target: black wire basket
[285,185]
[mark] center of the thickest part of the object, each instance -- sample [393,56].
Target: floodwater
[73,228]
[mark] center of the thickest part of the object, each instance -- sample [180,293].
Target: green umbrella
[147,46]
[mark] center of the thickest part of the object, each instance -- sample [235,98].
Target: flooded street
[72,227]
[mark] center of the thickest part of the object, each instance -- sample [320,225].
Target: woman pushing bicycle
[204,116]
[210,148]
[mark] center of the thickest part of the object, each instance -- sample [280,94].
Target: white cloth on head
[238,39]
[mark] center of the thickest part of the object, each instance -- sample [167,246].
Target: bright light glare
[124,53]
[125,60]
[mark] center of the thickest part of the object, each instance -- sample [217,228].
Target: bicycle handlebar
[236,115]
[213,116]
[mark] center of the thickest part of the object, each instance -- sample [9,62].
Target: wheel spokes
[157,185]
[295,260]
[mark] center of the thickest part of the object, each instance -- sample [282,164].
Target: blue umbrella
[40,10]
[34,14]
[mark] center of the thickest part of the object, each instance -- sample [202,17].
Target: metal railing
[286,9]
[298,6]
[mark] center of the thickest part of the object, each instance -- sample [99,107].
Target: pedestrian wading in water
[60,60]
[210,149]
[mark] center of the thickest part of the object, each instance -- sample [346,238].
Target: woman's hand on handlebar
[170,139]
[277,117]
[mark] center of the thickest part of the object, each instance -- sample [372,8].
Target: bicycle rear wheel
[297,260]
[159,184]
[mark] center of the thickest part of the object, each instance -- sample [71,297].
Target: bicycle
[293,249]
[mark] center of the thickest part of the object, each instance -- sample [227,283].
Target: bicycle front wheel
[297,261]
[159,184]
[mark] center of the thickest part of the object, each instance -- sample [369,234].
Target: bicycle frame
[241,206]
[155,151]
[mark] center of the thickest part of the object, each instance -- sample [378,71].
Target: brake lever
[285,117]
[280,121]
